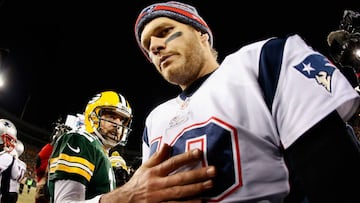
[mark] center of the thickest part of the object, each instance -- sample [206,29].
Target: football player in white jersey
[10,166]
[13,194]
[270,117]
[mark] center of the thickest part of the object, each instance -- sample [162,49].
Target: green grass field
[27,198]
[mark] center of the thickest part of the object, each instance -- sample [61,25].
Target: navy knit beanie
[178,11]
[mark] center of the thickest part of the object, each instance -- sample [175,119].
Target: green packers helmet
[104,102]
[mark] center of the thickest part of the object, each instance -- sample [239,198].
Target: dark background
[60,53]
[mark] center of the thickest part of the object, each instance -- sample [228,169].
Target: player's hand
[152,181]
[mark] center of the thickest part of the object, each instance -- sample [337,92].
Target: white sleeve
[309,88]
[69,191]
[6,160]
[18,170]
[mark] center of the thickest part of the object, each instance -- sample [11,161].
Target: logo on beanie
[150,9]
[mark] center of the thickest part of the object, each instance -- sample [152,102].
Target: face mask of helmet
[8,134]
[120,131]
[93,115]
[9,142]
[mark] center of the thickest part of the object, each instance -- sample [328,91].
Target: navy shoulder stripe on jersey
[145,137]
[269,68]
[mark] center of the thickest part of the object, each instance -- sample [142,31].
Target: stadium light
[3,54]
[2,80]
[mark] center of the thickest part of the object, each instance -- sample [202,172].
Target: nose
[156,45]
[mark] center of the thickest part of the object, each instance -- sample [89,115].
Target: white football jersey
[17,171]
[21,169]
[5,160]
[259,101]
[18,168]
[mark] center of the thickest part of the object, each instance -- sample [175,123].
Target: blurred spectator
[42,158]
[29,183]
[121,170]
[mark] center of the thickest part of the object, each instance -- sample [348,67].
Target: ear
[204,37]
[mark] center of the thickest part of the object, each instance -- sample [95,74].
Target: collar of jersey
[193,87]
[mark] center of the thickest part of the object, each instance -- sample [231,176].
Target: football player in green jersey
[79,165]
[80,170]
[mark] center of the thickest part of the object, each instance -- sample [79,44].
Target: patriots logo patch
[317,67]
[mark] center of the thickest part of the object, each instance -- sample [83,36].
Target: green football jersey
[80,157]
